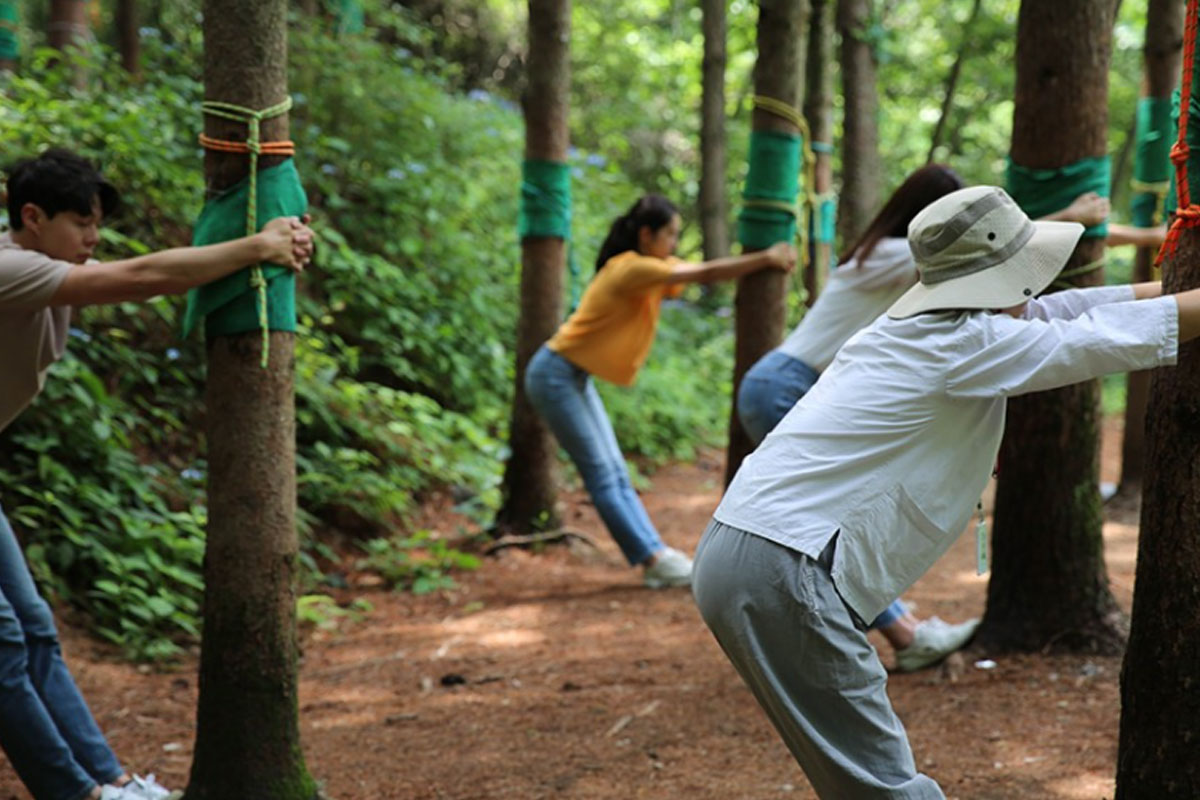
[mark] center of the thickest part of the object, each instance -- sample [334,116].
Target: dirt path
[568,680]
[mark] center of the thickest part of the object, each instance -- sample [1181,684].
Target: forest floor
[556,675]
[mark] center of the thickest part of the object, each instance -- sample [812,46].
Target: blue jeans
[46,729]
[564,396]
[769,389]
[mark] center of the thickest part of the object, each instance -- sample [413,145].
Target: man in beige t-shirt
[56,203]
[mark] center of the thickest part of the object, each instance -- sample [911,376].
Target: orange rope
[283,148]
[1187,215]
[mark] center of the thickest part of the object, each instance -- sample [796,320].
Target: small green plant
[324,613]
[418,563]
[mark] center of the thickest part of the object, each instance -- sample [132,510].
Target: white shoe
[139,788]
[670,568]
[933,640]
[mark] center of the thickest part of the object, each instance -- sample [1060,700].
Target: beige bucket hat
[975,248]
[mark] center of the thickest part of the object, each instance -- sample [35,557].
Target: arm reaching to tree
[284,240]
[778,256]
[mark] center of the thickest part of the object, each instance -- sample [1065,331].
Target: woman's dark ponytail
[651,211]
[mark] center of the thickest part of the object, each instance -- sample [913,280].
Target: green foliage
[322,612]
[417,563]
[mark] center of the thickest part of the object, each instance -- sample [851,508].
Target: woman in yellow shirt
[609,337]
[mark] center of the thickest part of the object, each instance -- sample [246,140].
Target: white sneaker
[139,788]
[933,640]
[670,568]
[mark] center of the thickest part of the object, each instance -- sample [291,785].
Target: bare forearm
[182,268]
[731,267]
[1147,291]
[1189,314]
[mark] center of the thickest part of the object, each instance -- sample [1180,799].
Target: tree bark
[964,47]
[1163,56]
[1160,701]
[1049,587]
[128,37]
[714,216]
[760,307]
[818,113]
[68,28]
[861,167]
[247,732]
[529,476]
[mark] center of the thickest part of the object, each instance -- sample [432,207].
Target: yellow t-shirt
[611,331]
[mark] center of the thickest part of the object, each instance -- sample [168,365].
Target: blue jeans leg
[46,729]
[768,391]
[566,399]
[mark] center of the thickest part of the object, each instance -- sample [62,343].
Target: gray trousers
[779,619]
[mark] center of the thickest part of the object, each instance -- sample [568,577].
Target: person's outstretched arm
[1088,209]
[1189,314]
[778,256]
[1141,237]
[283,240]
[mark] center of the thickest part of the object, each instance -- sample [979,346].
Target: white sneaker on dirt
[139,788]
[933,640]
[670,568]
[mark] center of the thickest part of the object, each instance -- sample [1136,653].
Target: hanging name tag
[981,543]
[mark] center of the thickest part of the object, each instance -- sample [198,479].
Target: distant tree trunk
[1049,588]
[128,36]
[10,15]
[861,168]
[760,306]
[964,47]
[530,483]
[69,28]
[818,113]
[1163,54]
[1160,704]
[714,218]
[247,732]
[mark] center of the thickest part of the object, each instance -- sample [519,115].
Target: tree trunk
[1049,587]
[130,41]
[1163,55]
[861,167]
[818,113]
[714,219]
[965,45]
[10,15]
[529,477]
[760,306]
[247,732]
[69,28]
[1160,701]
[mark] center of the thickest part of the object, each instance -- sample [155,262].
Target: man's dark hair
[58,180]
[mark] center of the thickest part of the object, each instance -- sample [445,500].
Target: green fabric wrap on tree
[546,211]
[1043,191]
[1152,160]
[350,17]
[230,305]
[825,227]
[545,199]
[9,49]
[769,209]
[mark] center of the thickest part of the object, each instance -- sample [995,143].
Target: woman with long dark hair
[609,336]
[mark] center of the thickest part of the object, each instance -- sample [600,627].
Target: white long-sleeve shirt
[858,292]
[894,444]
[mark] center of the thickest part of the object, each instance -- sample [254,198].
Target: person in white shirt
[871,275]
[874,473]
[56,203]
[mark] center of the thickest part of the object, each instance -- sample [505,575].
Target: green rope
[1152,160]
[769,209]
[822,147]
[546,211]
[253,120]
[1061,281]
[9,49]
[1040,192]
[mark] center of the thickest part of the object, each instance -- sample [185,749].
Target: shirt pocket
[884,547]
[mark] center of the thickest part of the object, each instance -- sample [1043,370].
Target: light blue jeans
[46,728]
[769,389]
[566,399]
